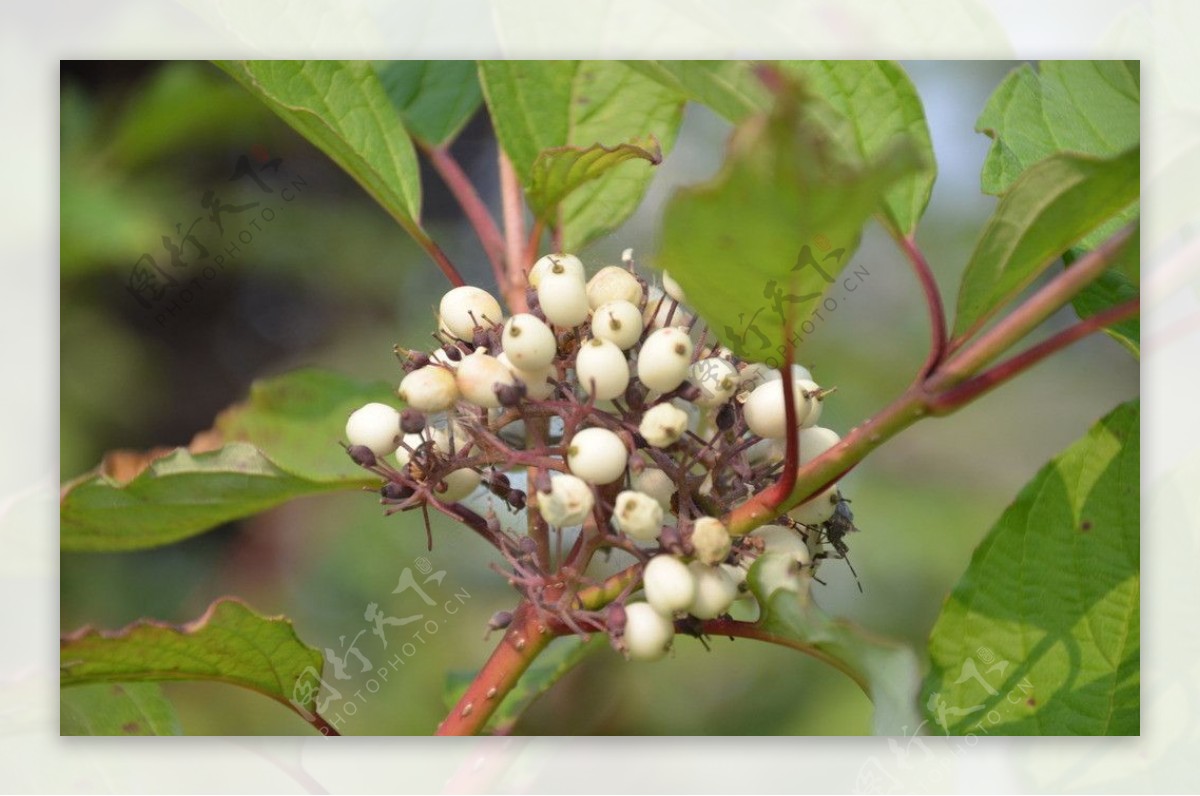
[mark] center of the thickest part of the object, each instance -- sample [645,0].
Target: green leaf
[560,171]
[230,643]
[342,108]
[278,446]
[887,670]
[563,655]
[729,88]
[1088,107]
[540,105]
[435,98]
[1041,636]
[771,232]
[881,105]
[1050,208]
[1115,286]
[116,709]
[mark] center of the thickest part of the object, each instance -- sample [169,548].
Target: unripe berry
[717,380]
[638,516]
[568,502]
[648,634]
[528,342]
[537,382]
[562,297]
[375,426]
[456,485]
[659,307]
[477,377]
[602,369]
[663,425]
[710,540]
[672,288]
[465,307]
[816,441]
[817,509]
[569,262]
[429,389]
[783,540]
[618,321]
[664,359]
[765,412]
[597,455]
[669,584]
[613,283]
[657,484]
[715,591]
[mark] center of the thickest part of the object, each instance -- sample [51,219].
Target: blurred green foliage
[335,283]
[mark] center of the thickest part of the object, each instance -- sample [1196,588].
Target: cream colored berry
[613,283]
[638,515]
[465,307]
[618,321]
[375,426]
[597,455]
[813,391]
[657,484]
[816,441]
[568,503]
[601,368]
[672,288]
[669,584]
[659,307]
[429,389]
[528,342]
[456,485]
[818,509]
[717,379]
[715,591]
[478,376]
[664,359]
[442,436]
[710,540]
[410,443]
[663,425]
[537,383]
[783,540]
[648,634]
[765,412]
[562,297]
[569,263]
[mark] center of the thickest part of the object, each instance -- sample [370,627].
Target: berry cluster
[603,407]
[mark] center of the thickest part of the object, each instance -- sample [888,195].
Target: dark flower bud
[362,455]
[412,421]
[509,395]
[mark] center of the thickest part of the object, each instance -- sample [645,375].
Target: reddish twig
[514,235]
[472,206]
[933,301]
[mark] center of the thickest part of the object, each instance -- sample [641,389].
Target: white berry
[618,321]
[375,426]
[569,262]
[659,307]
[597,455]
[663,425]
[429,389]
[409,444]
[811,389]
[715,591]
[648,634]
[602,369]
[710,540]
[817,509]
[816,441]
[765,412]
[456,485]
[669,584]
[657,484]
[664,359]
[568,503]
[717,380]
[441,436]
[672,288]
[537,382]
[613,283]
[783,540]
[477,378]
[638,516]
[464,308]
[528,342]
[562,297]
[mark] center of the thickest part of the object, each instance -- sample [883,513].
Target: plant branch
[514,235]
[933,301]
[751,630]
[320,724]
[472,206]
[439,256]
[537,528]
[1021,321]
[524,640]
[967,391]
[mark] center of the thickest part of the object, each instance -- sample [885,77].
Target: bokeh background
[334,283]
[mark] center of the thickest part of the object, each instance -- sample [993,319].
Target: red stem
[968,391]
[933,300]
[439,256]
[514,235]
[473,207]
